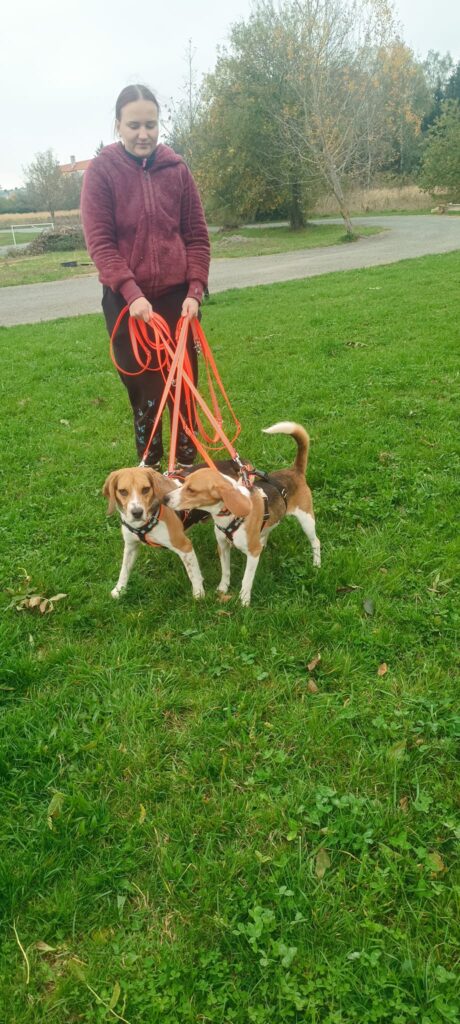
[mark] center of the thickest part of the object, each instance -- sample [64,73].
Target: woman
[146,232]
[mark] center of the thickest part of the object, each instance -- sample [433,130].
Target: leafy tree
[441,161]
[300,84]
[241,162]
[399,98]
[71,190]
[452,90]
[43,182]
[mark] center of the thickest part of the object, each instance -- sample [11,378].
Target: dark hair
[130,94]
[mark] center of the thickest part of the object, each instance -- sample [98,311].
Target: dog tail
[300,436]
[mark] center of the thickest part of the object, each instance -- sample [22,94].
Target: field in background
[61,217]
[226,815]
[408,199]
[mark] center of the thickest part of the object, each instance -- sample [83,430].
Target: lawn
[6,237]
[265,240]
[245,242]
[196,826]
[15,270]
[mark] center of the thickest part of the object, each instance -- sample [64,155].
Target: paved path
[402,238]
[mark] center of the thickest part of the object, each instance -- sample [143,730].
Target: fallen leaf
[347,589]
[369,606]
[54,808]
[222,612]
[312,687]
[397,750]
[313,663]
[44,948]
[224,597]
[115,996]
[65,423]
[382,669]
[142,814]
[404,804]
[322,863]
[57,597]
[435,863]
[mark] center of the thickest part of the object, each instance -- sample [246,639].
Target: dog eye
[123,492]
[145,490]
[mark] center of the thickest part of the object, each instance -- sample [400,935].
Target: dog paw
[245,600]
[198,594]
[116,593]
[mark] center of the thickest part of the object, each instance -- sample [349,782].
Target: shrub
[63,239]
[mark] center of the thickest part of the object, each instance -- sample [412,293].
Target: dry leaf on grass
[312,687]
[382,669]
[224,597]
[322,863]
[44,604]
[142,814]
[313,663]
[435,863]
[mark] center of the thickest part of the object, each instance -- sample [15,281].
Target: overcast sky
[63,65]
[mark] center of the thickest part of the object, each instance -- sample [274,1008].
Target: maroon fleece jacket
[145,229]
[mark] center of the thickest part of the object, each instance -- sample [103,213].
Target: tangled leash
[155,351]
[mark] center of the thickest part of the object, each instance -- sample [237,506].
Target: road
[403,237]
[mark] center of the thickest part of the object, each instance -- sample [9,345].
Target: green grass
[6,237]
[16,270]
[170,782]
[265,240]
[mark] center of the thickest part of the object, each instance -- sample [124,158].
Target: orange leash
[173,361]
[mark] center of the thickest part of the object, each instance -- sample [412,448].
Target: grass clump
[190,830]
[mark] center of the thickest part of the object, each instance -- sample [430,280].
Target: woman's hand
[190,307]
[141,308]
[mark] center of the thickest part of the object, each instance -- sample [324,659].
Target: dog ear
[108,491]
[237,503]
[161,485]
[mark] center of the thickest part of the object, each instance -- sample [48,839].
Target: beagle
[137,494]
[246,517]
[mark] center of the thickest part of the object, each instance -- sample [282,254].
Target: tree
[43,182]
[399,99]
[441,161]
[182,116]
[316,61]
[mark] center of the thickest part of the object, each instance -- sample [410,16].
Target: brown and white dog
[246,517]
[137,494]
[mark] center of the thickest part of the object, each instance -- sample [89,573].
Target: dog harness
[187,517]
[235,523]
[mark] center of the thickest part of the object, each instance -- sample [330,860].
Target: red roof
[79,165]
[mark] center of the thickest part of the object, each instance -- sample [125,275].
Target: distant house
[75,166]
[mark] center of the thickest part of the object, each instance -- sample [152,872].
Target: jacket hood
[164,156]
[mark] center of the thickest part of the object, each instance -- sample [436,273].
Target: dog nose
[137,511]
[165,500]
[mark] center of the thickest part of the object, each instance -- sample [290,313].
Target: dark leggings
[145,390]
